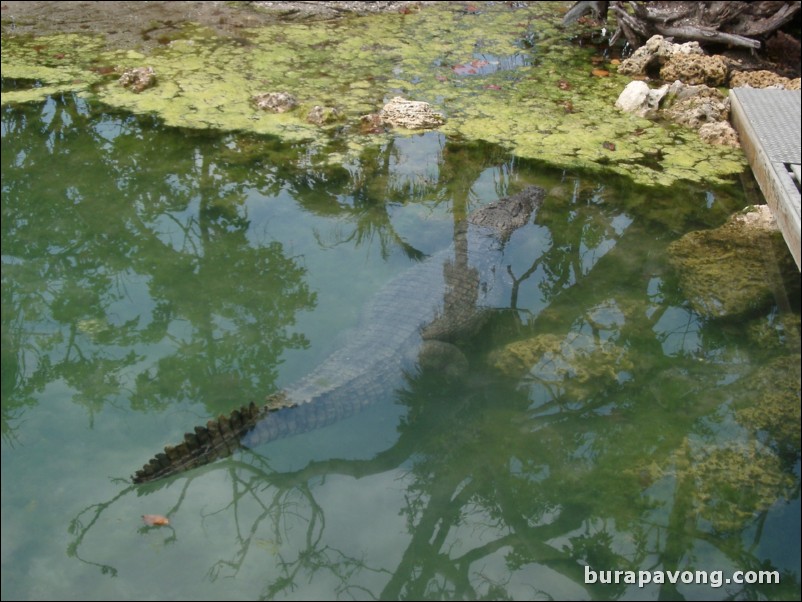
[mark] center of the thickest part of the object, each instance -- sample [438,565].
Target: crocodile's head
[510,213]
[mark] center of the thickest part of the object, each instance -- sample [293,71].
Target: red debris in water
[155,520]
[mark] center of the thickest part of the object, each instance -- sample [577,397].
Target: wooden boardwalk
[768,122]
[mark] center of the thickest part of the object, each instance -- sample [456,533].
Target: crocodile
[431,304]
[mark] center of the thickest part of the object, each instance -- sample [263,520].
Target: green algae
[505,74]
[728,482]
[769,403]
[732,482]
[723,270]
[44,81]
[575,366]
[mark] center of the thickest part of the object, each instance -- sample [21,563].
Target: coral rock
[719,133]
[276,102]
[639,99]
[695,69]
[695,106]
[324,115]
[722,271]
[138,79]
[655,53]
[410,114]
[761,79]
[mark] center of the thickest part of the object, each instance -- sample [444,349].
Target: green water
[153,277]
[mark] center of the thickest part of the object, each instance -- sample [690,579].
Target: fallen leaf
[471,68]
[464,70]
[609,146]
[155,520]
[600,72]
[492,87]
[615,62]
[563,85]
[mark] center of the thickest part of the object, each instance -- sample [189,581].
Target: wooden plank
[768,122]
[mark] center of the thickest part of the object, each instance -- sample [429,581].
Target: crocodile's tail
[220,437]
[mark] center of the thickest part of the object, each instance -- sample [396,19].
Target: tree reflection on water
[601,422]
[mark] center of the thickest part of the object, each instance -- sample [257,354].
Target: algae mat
[505,73]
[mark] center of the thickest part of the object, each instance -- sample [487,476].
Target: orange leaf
[155,520]
[600,72]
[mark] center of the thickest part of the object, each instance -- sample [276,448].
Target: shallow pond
[154,277]
[161,270]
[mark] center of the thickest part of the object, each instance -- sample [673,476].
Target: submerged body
[437,300]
